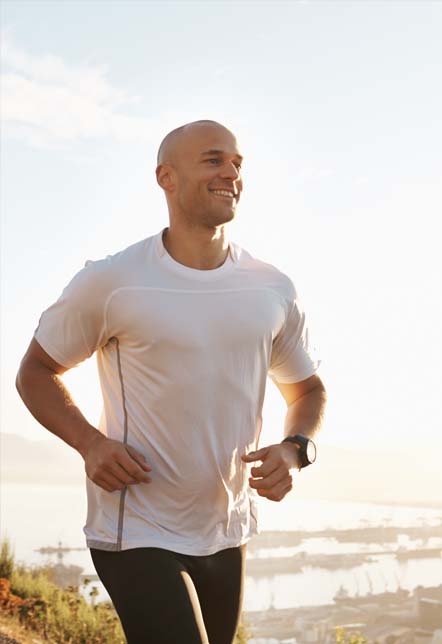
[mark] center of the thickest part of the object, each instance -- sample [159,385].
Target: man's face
[208,176]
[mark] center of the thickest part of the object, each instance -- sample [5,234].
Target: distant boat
[49,550]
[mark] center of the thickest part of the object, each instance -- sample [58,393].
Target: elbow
[19,381]
[321,394]
[24,376]
[321,387]
[317,386]
[324,395]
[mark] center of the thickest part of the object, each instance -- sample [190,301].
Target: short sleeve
[74,326]
[293,357]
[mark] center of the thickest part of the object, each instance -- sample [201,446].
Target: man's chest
[186,319]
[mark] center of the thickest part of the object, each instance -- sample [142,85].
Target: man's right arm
[108,463]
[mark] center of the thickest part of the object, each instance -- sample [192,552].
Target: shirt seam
[184,290]
[51,349]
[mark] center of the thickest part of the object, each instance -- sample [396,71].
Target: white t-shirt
[183,355]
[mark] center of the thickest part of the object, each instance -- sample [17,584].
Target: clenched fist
[272,479]
[113,465]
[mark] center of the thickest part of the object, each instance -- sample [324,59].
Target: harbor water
[36,516]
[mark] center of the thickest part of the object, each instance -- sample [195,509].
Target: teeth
[223,193]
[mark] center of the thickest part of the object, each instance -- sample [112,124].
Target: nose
[230,171]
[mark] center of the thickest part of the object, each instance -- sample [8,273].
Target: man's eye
[216,161]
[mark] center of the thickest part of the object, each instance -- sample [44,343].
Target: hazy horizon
[392,482]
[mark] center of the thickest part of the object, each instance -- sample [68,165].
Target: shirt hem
[51,351]
[299,377]
[113,546]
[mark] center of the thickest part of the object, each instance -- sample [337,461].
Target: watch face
[311,451]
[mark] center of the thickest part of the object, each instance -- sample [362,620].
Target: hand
[272,479]
[113,465]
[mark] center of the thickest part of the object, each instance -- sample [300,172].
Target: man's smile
[225,194]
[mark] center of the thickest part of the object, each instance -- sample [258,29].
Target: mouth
[225,194]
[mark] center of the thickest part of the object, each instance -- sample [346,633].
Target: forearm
[305,415]
[49,401]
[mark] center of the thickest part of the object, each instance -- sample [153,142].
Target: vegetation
[6,560]
[60,616]
[349,638]
[242,635]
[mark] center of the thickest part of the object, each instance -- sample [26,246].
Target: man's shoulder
[100,277]
[265,274]
[131,258]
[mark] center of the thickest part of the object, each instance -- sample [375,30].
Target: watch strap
[302,442]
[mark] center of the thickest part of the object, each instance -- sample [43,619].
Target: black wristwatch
[307,449]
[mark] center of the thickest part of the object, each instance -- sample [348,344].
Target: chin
[212,218]
[221,218]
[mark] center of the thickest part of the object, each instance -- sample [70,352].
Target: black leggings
[163,597]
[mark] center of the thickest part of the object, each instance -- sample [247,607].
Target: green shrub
[6,560]
[349,638]
[64,616]
[242,635]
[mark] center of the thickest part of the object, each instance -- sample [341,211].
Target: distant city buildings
[387,618]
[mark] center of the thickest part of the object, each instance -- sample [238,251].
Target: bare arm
[305,410]
[305,406]
[110,464]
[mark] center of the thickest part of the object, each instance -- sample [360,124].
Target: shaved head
[199,169]
[172,141]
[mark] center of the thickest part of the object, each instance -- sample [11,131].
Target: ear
[165,177]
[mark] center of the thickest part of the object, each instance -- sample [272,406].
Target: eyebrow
[220,152]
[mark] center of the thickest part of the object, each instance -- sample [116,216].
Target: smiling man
[186,326]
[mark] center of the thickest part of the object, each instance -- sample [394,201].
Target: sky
[337,107]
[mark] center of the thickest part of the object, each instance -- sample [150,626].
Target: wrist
[305,446]
[89,437]
[292,450]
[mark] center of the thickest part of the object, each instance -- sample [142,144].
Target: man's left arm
[305,411]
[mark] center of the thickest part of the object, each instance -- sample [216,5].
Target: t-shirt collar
[206,275]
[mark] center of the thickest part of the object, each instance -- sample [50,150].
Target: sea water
[35,516]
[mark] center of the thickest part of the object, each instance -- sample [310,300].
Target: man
[186,327]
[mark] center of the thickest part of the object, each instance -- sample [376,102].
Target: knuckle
[94,475]
[100,471]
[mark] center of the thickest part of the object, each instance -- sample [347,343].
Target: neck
[203,249]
